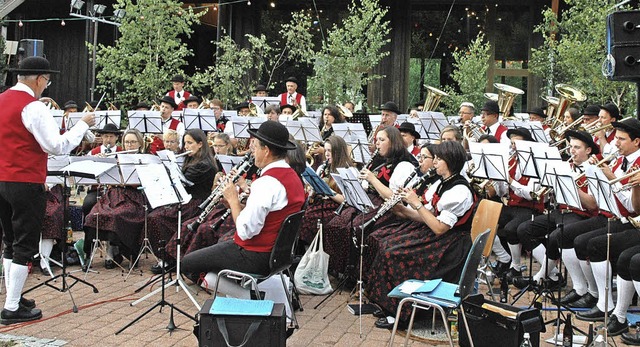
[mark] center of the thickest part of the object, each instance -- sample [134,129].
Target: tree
[148,51]
[344,64]
[574,49]
[470,74]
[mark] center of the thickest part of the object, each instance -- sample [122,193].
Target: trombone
[596,129]
[634,170]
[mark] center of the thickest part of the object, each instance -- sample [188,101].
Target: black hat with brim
[491,107]
[291,107]
[191,98]
[524,132]
[537,111]
[70,104]
[591,110]
[34,66]
[629,125]
[408,127]
[242,105]
[273,134]
[613,110]
[584,137]
[390,106]
[291,79]
[177,78]
[169,100]
[109,128]
[260,88]
[140,105]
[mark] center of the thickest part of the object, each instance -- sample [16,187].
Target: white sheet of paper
[203,119]
[149,122]
[157,186]
[104,170]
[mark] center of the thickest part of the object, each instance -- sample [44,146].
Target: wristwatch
[417,208]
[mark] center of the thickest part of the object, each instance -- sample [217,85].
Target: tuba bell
[255,111]
[434,96]
[506,96]
[567,96]
[552,104]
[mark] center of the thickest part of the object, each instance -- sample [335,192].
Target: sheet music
[401,118]
[600,189]
[101,170]
[58,115]
[559,176]
[352,133]
[129,163]
[264,101]
[178,115]
[73,118]
[375,120]
[360,152]
[147,122]
[107,117]
[157,185]
[203,119]
[531,154]
[491,160]
[177,178]
[433,123]
[228,161]
[320,187]
[242,124]
[304,129]
[55,164]
[229,113]
[352,188]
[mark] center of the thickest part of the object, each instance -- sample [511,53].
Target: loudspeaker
[623,44]
[30,48]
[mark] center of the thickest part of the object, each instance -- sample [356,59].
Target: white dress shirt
[291,99]
[453,203]
[38,120]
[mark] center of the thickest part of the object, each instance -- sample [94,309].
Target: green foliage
[470,75]
[343,65]
[233,76]
[573,51]
[148,52]
[3,60]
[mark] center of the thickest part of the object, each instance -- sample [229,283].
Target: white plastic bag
[312,275]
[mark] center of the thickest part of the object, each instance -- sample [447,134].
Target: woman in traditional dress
[199,168]
[435,240]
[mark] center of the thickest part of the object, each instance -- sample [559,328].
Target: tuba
[552,104]
[434,96]
[568,95]
[506,96]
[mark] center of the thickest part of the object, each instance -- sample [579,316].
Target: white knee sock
[516,250]
[636,284]
[18,276]
[6,268]
[46,245]
[547,266]
[227,287]
[109,250]
[587,271]
[572,264]
[599,272]
[625,295]
[501,254]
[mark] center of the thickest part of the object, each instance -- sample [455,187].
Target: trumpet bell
[434,96]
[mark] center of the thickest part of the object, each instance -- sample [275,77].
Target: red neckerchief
[384,173]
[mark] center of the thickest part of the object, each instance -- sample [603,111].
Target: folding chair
[486,217]
[281,259]
[446,295]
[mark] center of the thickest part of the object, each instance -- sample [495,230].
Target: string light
[273,4]
[20,24]
[249,3]
[63,23]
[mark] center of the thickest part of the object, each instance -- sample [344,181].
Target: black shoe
[45,271]
[522,282]
[615,328]
[631,338]
[27,303]
[109,264]
[500,269]
[593,315]
[118,258]
[586,301]
[556,284]
[387,323]
[570,297]
[22,314]
[512,273]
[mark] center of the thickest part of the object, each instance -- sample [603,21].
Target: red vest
[516,200]
[285,96]
[158,144]
[415,151]
[498,134]
[99,150]
[21,157]
[264,241]
[623,211]
[185,95]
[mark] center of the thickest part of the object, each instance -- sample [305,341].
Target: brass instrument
[540,193]
[155,106]
[299,112]
[112,107]
[310,152]
[491,96]
[148,140]
[52,104]
[88,107]
[635,221]
[506,96]
[568,95]
[216,195]
[373,133]
[478,184]
[634,170]
[610,157]
[434,96]
[255,111]
[552,104]
[594,129]
[344,111]
[474,131]
[556,135]
[205,104]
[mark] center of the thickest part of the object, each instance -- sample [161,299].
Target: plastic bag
[311,276]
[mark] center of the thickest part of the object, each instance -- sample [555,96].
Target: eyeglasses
[219,146]
[131,142]
[420,156]
[170,141]
[460,113]
[47,79]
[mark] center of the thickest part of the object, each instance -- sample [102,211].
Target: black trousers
[566,238]
[634,263]
[226,255]
[619,242]
[581,242]
[22,209]
[89,233]
[627,268]
[532,233]
[510,218]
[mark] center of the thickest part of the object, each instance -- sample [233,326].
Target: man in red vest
[291,96]
[109,135]
[178,94]
[31,134]
[167,105]
[277,193]
[490,120]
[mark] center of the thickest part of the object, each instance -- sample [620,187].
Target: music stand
[603,193]
[319,186]
[264,101]
[433,123]
[147,122]
[354,134]
[58,116]
[242,124]
[492,161]
[65,173]
[533,157]
[163,187]
[108,117]
[351,187]
[179,115]
[374,120]
[203,119]
[229,161]
[304,129]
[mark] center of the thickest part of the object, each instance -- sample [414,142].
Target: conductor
[31,134]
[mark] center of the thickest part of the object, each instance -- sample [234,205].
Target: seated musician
[386,172]
[192,102]
[531,233]
[570,115]
[595,246]
[52,227]
[490,119]
[330,115]
[605,138]
[410,137]
[287,110]
[277,193]
[119,214]
[272,112]
[171,141]
[167,105]
[323,208]
[199,168]
[433,240]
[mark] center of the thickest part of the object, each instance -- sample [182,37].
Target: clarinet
[227,213]
[338,211]
[216,195]
[397,197]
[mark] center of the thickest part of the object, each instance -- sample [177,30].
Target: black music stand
[264,101]
[147,122]
[203,119]
[304,129]
[66,287]
[492,159]
[242,124]
[354,134]
[167,189]
[433,123]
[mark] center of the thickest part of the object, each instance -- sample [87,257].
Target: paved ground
[101,315]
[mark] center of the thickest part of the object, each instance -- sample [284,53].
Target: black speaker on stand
[623,49]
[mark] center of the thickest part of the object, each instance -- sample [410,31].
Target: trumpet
[596,129]
[397,196]
[634,170]
[216,195]
[310,152]
[155,106]
[604,160]
[540,193]
[475,131]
